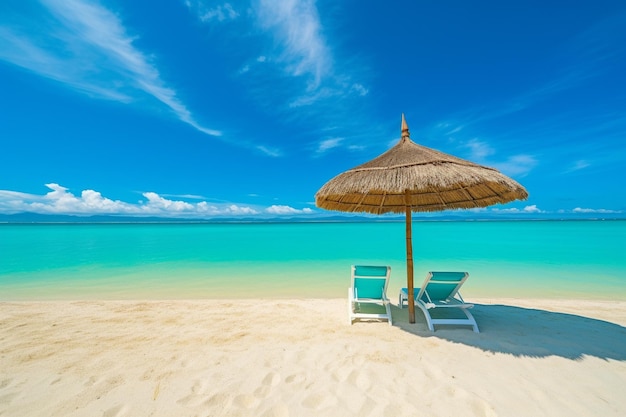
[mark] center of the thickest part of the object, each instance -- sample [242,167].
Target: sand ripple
[300,358]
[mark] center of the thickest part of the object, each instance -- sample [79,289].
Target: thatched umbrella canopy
[410,177]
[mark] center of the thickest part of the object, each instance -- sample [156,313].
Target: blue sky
[209,109]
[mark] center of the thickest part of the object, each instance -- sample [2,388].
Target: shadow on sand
[527,332]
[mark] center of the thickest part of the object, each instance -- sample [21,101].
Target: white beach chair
[440,291]
[367,295]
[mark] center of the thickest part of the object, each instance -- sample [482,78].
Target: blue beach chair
[367,295]
[440,291]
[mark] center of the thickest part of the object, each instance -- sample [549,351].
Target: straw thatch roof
[430,179]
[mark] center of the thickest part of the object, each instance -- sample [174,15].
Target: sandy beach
[302,358]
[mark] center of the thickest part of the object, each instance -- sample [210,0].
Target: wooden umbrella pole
[409,257]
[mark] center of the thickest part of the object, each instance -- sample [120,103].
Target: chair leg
[429,320]
[350,306]
[471,318]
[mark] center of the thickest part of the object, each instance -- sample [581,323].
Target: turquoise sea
[530,259]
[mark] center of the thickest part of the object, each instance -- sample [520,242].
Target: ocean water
[526,259]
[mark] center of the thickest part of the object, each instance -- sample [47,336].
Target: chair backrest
[370,281]
[443,285]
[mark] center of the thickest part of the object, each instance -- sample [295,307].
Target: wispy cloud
[479,150]
[359,89]
[578,165]
[291,68]
[273,152]
[207,13]
[296,26]
[186,196]
[293,25]
[19,49]
[566,79]
[328,144]
[582,62]
[88,49]
[59,200]
[515,165]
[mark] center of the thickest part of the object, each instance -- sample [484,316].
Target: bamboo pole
[409,257]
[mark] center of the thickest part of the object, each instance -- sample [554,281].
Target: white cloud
[507,210]
[158,203]
[600,211]
[476,210]
[59,200]
[532,209]
[528,209]
[235,209]
[87,49]
[277,209]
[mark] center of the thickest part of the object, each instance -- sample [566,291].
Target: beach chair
[367,295]
[440,293]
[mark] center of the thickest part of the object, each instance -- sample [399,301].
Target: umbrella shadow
[527,332]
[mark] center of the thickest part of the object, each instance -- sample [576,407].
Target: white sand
[301,358]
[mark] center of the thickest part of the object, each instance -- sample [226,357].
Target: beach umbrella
[413,178]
